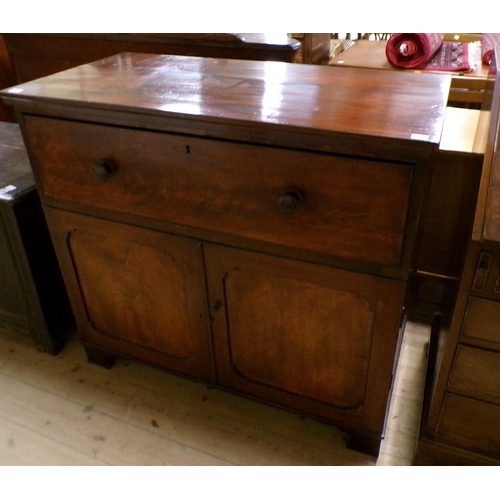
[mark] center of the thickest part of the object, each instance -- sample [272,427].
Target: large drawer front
[346,207]
[470,423]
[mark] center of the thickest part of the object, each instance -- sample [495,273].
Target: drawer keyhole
[103,170]
[289,201]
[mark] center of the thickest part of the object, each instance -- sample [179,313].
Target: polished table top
[272,95]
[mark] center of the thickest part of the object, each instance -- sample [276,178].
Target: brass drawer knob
[103,170]
[289,201]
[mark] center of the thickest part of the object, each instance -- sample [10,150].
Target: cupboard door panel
[313,338]
[280,354]
[124,278]
[137,292]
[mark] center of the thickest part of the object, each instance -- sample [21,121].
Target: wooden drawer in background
[482,319]
[471,423]
[477,371]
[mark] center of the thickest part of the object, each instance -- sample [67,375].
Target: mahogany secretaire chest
[251,224]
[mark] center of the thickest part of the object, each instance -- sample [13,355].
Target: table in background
[466,87]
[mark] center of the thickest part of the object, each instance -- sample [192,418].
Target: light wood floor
[63,411]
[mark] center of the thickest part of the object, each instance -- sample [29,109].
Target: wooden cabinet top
[263,97]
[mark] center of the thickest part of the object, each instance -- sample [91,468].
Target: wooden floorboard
[61,410]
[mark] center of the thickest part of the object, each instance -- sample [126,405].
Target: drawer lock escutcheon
[103,170]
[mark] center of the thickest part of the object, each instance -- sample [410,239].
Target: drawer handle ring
[103,170]
[289,201]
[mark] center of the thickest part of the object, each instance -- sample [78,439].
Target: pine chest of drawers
[251,224]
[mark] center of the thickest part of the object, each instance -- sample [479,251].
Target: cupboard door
[317,339]
[136,292]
